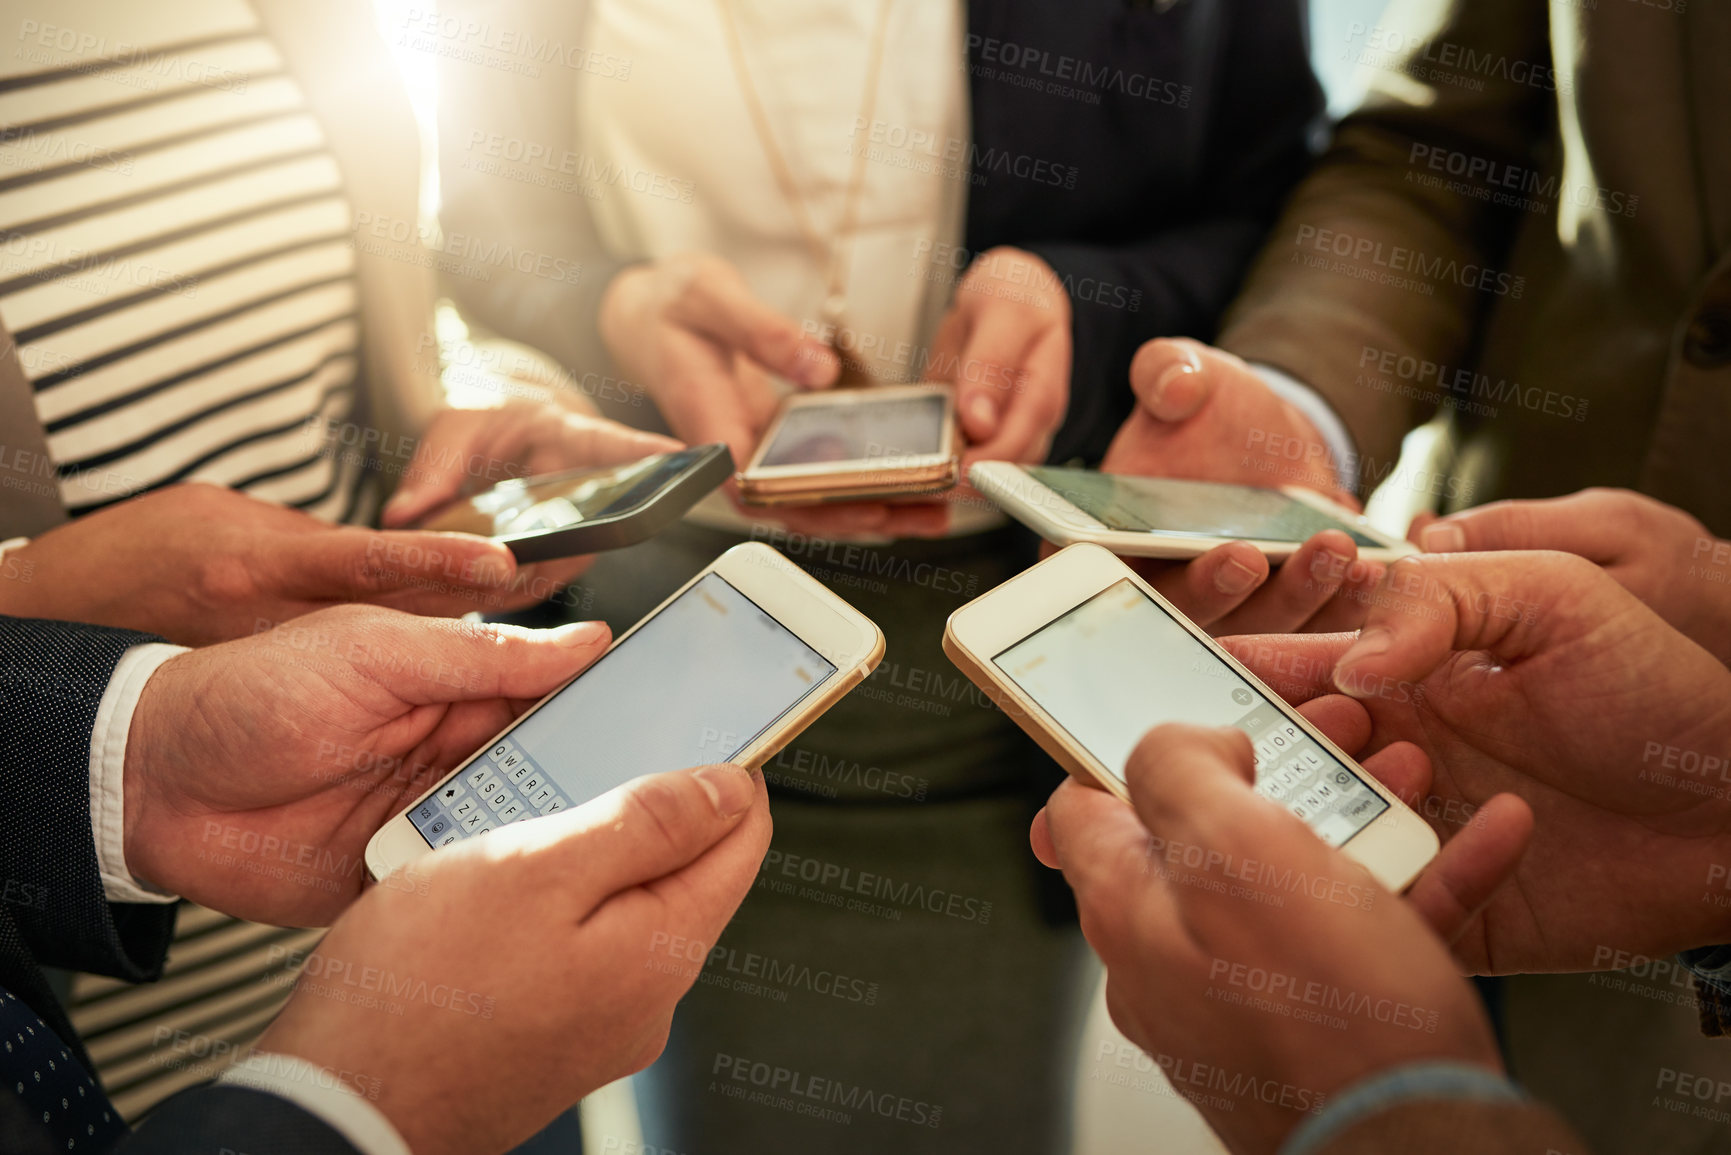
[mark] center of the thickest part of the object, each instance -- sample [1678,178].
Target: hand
[198,563]
[1655,551]
[257,770]
[1538,675]
[466,451]
[704,346]
[574,940]
[1005,346]
[1323,586]
[1202,413]
[1214,964]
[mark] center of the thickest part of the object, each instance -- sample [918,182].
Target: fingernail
[490,576]
[984,411]
[1235,578]
[1371,642]
[1163,382]
[1442,537]
[579,634]
[729,787]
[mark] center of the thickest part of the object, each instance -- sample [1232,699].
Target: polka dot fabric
[60,1099]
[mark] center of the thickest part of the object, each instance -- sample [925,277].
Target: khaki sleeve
[1374,253]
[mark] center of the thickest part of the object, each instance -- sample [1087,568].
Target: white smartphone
[1087,658]
[729,669]
[1168,518]
[851,444]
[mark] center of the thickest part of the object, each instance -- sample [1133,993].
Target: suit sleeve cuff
[1322,415]
[108,771]
[322,1093]
[1429,1080]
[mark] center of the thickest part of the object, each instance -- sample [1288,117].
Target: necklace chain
[830,257]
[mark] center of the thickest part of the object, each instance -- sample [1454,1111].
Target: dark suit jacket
[1141,147]
[52,678]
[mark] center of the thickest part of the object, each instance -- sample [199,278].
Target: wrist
[304,1034]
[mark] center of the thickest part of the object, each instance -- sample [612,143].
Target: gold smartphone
[729,669]
[853,444]
[1087,658]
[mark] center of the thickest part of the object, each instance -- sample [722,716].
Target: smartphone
[729,669]
[584,511]
[850,444]
[1164,517]
[1087,658]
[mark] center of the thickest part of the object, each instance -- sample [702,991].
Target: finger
[1298,667]
[700,397]
[1401,766]
[647,829]
[719,304]
[1040,839]
[1341,719]
[1344,612]
[1581,524]
[349,564]
[423,661]
[1303,585]
[1466,874]
[1103,850]
[1170,379]
[1211,586]
[1429,606]
[578,440]
[952,334]
[987,372]
[1035,403]
[1416,527]
[1191,781]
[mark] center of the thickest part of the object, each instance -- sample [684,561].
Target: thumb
[651,827]
[432,479]
[427,661]
[720,305]
[1170,379]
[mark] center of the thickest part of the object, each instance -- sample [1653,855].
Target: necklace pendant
[834,306]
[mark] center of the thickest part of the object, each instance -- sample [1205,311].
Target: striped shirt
[175,260]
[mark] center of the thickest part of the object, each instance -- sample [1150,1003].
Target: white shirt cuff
[108,771]
[322,1093]
[1322,415]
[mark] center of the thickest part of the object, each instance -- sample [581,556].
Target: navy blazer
[54,913]
[1142,150]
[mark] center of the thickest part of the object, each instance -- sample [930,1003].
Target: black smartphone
[584,511]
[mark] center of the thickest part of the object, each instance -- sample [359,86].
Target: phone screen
[1192,508]
[696,684]
[1118,665]
[859,431]
[561,500]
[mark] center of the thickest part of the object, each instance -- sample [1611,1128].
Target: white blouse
[684,116]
